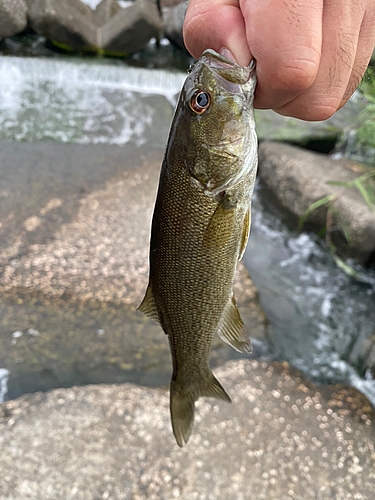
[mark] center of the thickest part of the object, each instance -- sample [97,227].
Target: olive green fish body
[200,227]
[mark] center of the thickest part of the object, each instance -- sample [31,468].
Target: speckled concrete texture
[74,237]
[282,438]
[91,238]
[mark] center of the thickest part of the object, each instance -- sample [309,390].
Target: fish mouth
[227,69]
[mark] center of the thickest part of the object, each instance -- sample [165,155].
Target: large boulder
[297,178]
[70,23]
[13,17]
[106,10]
[111,28]
[282,438]
[173,23]
[341,133]
[131,28]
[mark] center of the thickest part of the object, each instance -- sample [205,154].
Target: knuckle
[318,113]
[321,113]
[296,67]
[296,76]
[311,108]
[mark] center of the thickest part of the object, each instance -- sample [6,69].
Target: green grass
[366,131]
[365,184]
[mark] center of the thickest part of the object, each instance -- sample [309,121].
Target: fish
[200,227]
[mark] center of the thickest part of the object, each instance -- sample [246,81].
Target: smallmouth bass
[200,227]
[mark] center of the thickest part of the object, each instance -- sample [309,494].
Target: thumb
[217,25]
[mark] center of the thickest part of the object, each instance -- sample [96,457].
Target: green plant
[366,131]
[365,184]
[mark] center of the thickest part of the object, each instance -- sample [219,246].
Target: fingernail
[228,54]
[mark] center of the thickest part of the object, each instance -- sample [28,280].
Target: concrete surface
[111,28]
[74,238]
[131,28]
[69,22]
[282,438]
[173,23]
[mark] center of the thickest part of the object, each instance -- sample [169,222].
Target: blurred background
[87,94]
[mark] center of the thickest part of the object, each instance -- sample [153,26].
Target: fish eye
[200,101]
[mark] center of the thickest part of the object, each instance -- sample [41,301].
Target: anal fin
[232,329]
[148,306]
[245,233]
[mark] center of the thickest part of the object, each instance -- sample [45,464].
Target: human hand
[311,54]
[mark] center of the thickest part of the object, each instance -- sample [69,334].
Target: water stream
[322,321]
[80,100]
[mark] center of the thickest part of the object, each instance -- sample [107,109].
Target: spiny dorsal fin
[245,233]
[232,330]
[148,306]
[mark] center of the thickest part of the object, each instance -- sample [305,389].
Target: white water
[4,375]
[322,320]
[48,99]
[94,3]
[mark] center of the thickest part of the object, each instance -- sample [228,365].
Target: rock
[109,28]
[173,23]
[13,17]
[131,28]
[340,133]
[323,135]
[170,3]
[281,438]
[297,178]
[106,10]
[74,265]
[70,23]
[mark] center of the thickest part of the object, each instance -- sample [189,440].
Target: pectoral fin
[220,228]
[148,306]
[245,233]
[232,330]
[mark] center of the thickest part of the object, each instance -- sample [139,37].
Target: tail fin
[182,404]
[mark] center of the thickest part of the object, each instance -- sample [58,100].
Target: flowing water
[80,101]
[321,320]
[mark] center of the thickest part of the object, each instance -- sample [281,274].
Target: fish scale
[200,228]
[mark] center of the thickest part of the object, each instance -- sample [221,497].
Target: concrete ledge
[109,28]
[281,438]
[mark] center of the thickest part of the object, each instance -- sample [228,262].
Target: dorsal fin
[232,330]
[148,306]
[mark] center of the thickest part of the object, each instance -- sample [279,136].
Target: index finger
[285,37]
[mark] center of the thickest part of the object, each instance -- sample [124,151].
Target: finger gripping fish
[200,227]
